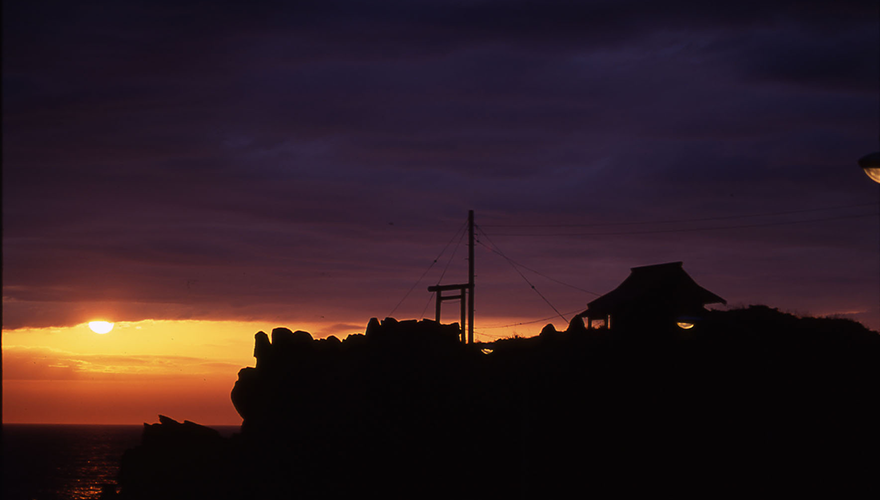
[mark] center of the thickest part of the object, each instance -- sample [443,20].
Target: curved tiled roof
[666,284]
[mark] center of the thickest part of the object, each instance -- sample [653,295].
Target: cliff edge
[753,401]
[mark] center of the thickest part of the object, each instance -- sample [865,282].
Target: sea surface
[65,462]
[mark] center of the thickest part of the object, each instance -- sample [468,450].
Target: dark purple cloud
[308,160]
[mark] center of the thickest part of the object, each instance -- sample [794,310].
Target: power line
[463,233]
[524,322]
[448,262]
[678,221]
[521,274]
[428,303]
[693,229]
[426,270]
[530,269]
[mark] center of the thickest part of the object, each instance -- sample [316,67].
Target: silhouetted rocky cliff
[750,401]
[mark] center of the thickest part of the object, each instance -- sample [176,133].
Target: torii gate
[465,290]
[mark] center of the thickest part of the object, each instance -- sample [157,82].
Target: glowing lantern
[871,165]
[686,322]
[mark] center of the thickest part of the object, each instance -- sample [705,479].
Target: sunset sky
[196,173]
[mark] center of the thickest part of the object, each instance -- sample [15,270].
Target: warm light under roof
[101,327]
[873,173]
[871,165]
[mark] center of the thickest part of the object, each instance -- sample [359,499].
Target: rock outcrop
[751,400]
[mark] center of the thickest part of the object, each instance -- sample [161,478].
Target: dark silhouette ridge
[749,401]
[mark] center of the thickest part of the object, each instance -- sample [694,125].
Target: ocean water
[65,462]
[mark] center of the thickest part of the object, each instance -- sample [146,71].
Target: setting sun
[101,327]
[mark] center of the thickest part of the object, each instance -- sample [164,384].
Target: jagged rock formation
[176,460]
[321,373]
[391,401]
[752,401]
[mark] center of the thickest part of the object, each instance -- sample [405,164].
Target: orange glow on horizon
[183,369]
[70,375]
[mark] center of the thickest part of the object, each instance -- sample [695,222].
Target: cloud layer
[307,162]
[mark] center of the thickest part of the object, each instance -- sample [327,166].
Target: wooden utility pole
[470,295]
[465,291]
